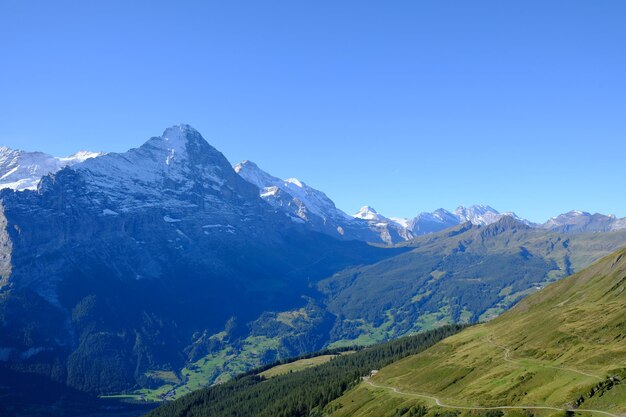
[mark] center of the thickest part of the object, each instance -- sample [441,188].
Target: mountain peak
[509,221]
[180,168]
[180,133]
[178,142]
[367,213]
[245,164]
[504,224]
[477,214]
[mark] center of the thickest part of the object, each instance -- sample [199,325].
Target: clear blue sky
[406,105]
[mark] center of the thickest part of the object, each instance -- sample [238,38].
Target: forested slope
[304,393]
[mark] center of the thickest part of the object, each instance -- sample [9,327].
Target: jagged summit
[484,215]
[181,162]
[294,197]
[181,133]
[477,214]
[367,213]
[179,142]
[177,169]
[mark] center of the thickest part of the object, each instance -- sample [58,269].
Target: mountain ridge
[423,223]
[20,170]
[124,265]
[161,269]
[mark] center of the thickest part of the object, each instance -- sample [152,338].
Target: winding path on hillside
[500,407]
[507,358]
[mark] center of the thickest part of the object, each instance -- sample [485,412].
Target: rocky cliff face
[116,266]
[6,249]
[171,197]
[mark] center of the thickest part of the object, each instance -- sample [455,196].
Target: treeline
[327,351]
[298,394]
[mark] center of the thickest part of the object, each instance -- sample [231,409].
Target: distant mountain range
[20,170]
[162,269]
[305,204]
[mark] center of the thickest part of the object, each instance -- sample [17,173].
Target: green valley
[559,351]
[465,274]
[561,348]
[462,275]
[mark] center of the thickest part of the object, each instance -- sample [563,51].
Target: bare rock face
[6,249]
[173,195]
[111,266]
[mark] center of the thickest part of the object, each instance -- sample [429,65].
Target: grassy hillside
[296,366]
[461,275]
[464,274]
[563,347]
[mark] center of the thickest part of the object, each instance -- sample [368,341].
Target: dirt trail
[501,407]
[507,358]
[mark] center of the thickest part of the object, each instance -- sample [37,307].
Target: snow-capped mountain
[478,214]
[581,221]
[391,230]
[21,170]
[370,214]
[302,200]
[484,215]
[441,219]
[170,158]
[178,184]
[425,223]
[154,248]
[312,207]
[178,169]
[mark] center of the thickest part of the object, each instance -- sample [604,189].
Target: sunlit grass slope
[296,366]
[551,349]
